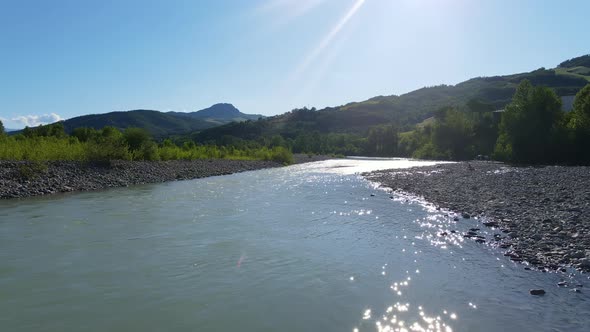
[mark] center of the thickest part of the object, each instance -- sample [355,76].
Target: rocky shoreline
[539,215]
[20,179]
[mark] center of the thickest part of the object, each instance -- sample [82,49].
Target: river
[311,247]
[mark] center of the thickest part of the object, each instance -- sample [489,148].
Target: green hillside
[157,123]
[407,110]
[577,67]
[161,124]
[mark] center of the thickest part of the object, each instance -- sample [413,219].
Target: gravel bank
[541,215]
[19,179]
[24,179]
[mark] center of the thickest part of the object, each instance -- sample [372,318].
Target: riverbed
[310,247]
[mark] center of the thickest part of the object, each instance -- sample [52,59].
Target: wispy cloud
[35,120]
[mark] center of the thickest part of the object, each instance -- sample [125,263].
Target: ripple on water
[328,252]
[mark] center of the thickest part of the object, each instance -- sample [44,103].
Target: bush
[106,151]
[32,170]
[281,155]
[148,151]
[136,138]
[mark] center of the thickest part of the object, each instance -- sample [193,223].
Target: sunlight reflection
[357,165]
[400,317]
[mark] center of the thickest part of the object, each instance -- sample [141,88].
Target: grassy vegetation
[50,142]
[41,148]
[576,72]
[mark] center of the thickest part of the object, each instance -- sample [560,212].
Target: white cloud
[35,120]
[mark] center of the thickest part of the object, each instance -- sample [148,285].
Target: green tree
[580,116]
[84,134]
[1,128]
[51,130]
[111,133]
[579,124]
[277,140]
[108,144]
[452,134]
[382,141]
[136,138]
[529,125]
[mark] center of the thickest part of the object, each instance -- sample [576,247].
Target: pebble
[543,210]
[68,176]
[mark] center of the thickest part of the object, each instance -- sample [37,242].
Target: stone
[537,292]
[584,263]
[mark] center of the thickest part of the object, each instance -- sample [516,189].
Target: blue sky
[61,59]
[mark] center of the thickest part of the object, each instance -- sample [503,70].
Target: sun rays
[328,38]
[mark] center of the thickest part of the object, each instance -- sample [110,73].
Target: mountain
[480,94]
[157,123]
[220,112]
[161,124]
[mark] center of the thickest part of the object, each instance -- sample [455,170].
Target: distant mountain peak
[220,111]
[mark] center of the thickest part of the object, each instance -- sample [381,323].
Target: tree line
[51,142]
[531,129]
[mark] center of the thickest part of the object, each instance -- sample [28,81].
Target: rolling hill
[405,111]
[161,124]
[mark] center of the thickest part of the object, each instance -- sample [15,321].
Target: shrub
[32,170]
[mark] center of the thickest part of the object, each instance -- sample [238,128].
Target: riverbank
[541,215]
[19,179]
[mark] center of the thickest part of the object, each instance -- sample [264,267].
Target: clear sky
[64,58]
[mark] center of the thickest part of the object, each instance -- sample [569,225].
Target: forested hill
[161,124]
[157,123]
[405,111]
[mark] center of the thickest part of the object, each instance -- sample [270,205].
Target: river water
[310,247]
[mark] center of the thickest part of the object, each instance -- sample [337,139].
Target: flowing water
[301,248]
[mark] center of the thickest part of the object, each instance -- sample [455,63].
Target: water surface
[301,248]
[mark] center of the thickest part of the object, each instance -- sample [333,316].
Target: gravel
[20,179]
[541,215]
